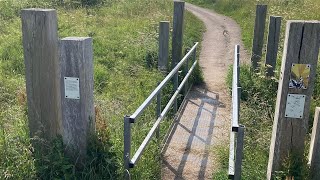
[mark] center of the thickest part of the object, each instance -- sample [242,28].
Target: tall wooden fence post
[314,153]
[40,45]
[177,37]
[257,45]
[295,89]
[272,45]
[77,95]
[163,46]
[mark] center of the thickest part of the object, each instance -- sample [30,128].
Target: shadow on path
[198,129]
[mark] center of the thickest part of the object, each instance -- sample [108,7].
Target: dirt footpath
[205,120]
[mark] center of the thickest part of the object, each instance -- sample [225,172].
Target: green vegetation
[259,93]
[125,41]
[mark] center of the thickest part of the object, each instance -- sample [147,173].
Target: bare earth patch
[206,115]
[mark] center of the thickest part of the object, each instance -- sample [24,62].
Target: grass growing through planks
[257,111]
[125,56]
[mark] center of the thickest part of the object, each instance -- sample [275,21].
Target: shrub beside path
[205,120]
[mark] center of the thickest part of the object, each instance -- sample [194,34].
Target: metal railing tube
[147,139]
[166,109]
[235,92]
[237,131]
[186,71]
[158,113]
[144,105]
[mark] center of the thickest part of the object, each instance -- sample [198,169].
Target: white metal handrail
[128,120]
[237,130]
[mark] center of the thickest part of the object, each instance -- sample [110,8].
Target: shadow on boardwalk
[186,153]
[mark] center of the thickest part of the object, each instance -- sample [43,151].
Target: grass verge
[125,39]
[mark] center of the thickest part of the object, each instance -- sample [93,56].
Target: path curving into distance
[205,120]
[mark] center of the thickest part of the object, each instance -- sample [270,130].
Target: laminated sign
[295,106]
[299,77]
[71,88]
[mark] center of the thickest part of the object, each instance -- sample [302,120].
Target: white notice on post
[71,88]
[295,106]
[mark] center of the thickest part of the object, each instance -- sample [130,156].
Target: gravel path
[205,120]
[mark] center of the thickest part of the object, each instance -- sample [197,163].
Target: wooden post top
[301,21]
[39,10]
[75,38]
[178,1]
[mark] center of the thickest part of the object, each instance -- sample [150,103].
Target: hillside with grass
[125,44]
[259,93]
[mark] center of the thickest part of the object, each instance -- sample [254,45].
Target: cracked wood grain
[288,137]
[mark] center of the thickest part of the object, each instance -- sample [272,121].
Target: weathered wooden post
[177,37]
[257,45]
[77,95]
[296,85]
[40,45]
[272,46]
[314,152]
[163,46]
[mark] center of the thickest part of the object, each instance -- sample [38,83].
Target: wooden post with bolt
[77,96]
[295,89]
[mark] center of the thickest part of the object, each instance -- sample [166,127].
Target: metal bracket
[234,129]
[131,120]
[131,165]
[128,118]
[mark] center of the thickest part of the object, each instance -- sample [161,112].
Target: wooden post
[163,46]
[288,137]
[314,153]
[40,45]
[177,37]
[272,46]
[257,45]
[77,95]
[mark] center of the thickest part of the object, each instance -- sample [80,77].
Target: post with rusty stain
[258,38]
[272,45]
[77,96]
[40,45]
[289,126]
[177,37]
[163,46]
[314,152]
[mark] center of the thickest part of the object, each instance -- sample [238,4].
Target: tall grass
[124,38]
